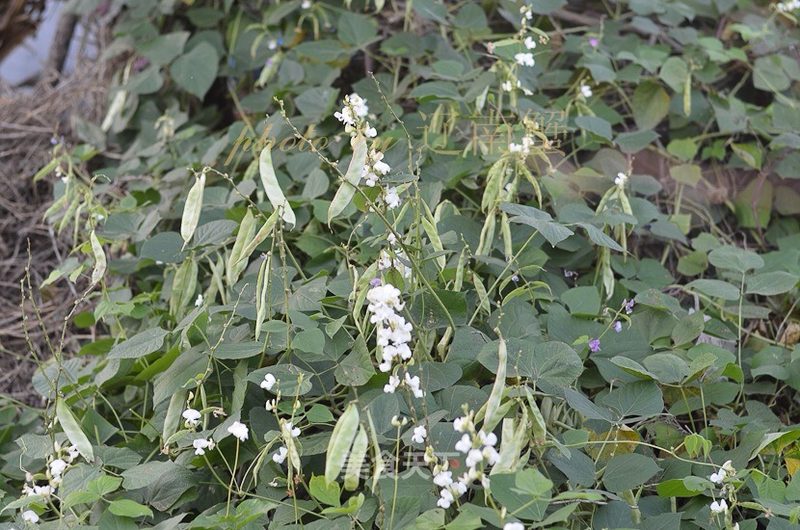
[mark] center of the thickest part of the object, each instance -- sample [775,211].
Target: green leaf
[356,29]
[164,48]
[674,73]
[582,301]
[684,149]
[309,341]
[715,288]
[735,259]
[594,125]
[551,230]
[139,345]
[325,491]
[650,104]
[771,283]
[73,430]
[634,141]
[129,508]
[688,174]
[628,471]
[196,70]
[769,75]
[688,329]
[356,368]
[754,204]
[642,399]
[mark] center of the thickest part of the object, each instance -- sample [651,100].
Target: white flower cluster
[722,478]
[58,463]
[394,335]
[621,179]
[586,90]
[375,168]
[524,148]
[353,115]
[480,450]
[395,260]
[786,7]
[288,430]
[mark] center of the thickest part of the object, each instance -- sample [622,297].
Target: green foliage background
[694,102]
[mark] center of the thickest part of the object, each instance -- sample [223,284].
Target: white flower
[268,382]
[735,526]
[586,90]
[30,517]
[392,198]
[305,4]
[201,444]
[464,444]
[530,42]
[621,179]
[488,439]
[392,385]
[443,479]
[272,44]
[199,300]
[420,433]
[728,465]
[280,455]
[718,478]
[192,417]
[526,12]
[474,457]
[44,491]
[513,526]
[239,430]
[719,507]
[491,455]
[507,86]
[413,384]
[57,467]
[524,59]
[271,405]
[445,499]
[72,453]
[291,430]
[461,424]
[383,300]
[370,132]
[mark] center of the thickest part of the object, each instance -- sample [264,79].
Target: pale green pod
[494,183]
[114,110]
[347,189]
[377,458]
[184,284]
[99,258]
[270,182]
[262,293]
[73,430]
[357,455]
[491,417]
[505,230]
[235,265]
[483,296]
[487,235]
[172,420]
[265,230]
[191,209]
[539,423]
[339,444]
[436,242]
[687,95]
[514,438]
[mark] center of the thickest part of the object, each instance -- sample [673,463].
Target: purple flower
[140,64]
[594,345]
[375,282]
[617,326]
[593,42]
[628,305]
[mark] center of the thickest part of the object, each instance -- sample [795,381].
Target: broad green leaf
[129,508]
[139,345]
[551,230]
[715,288]
[771,283]
[196,70]
[594,125]
[735,259]
[628,471]
[650,104]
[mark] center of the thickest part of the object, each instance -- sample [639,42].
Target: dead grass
[29,119]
